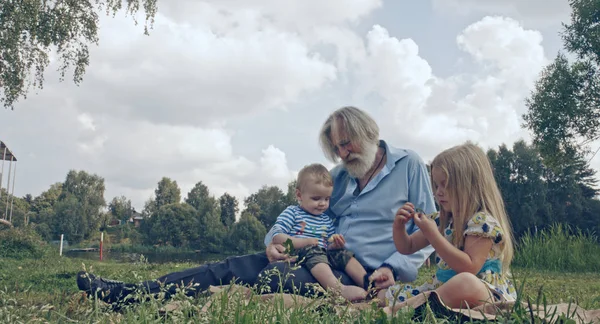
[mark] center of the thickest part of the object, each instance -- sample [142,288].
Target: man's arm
[406,267]
[419,187]
[421,196]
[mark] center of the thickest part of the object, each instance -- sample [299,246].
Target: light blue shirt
[366,220]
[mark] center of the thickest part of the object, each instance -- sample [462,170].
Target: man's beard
[358,164]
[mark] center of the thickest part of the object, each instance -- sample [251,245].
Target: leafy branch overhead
[564,109]
[32,29]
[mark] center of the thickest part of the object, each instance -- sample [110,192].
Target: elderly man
[371,183]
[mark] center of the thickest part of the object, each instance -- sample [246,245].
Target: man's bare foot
[353,293]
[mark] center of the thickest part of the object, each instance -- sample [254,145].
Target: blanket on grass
[426,304]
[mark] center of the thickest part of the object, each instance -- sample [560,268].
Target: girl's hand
[404,214]
[425,223]
[336,242]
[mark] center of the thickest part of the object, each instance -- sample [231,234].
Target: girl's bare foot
[389,310]
[382,300]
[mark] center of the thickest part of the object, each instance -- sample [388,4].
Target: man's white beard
[358,164]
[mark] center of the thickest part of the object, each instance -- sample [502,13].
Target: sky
[233,92]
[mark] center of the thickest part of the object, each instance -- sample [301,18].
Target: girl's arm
[470,260]
[406,244]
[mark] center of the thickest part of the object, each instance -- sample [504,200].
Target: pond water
[151,257]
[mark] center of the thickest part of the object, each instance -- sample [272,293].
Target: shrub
[21,243]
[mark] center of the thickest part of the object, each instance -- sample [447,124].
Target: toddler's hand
[313,241]
[336,241]
[302,242]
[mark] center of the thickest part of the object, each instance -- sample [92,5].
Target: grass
[554,266]
[47,292]
[44,290]
[559,248]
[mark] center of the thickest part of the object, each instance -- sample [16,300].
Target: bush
[246,236]
[559,248]
[21,243]
[43,230]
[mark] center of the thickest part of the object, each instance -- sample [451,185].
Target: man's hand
[383,278]
[276,252]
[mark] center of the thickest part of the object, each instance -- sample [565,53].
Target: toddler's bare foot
[353,293]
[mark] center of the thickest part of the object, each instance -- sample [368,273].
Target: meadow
[552,266]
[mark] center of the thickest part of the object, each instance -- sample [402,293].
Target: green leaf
[289,247]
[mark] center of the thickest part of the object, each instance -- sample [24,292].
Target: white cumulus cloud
[539,13]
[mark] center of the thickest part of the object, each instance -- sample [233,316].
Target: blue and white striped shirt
[295,221]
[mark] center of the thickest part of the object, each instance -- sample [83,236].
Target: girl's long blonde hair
[472,188]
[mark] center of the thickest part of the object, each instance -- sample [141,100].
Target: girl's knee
[466,278]
[468,283]
[464,289]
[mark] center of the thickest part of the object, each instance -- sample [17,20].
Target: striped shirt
[294,221]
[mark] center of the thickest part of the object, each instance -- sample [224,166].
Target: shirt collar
[394,154]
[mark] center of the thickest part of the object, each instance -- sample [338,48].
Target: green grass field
[41,288]
[44,290]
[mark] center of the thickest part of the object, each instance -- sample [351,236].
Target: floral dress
[481,224]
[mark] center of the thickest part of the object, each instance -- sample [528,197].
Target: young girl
[471,234]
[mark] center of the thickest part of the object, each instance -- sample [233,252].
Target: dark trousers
[245,270]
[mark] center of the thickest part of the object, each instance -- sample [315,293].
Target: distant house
[136,219]
[114,222]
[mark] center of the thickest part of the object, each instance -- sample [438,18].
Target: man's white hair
[362,130]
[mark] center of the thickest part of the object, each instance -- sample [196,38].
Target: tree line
[536,196]
[77,208]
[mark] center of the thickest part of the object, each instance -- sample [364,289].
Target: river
[151,257]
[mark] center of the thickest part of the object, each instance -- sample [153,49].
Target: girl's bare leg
[464,290]
[390,309]
[461,291]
